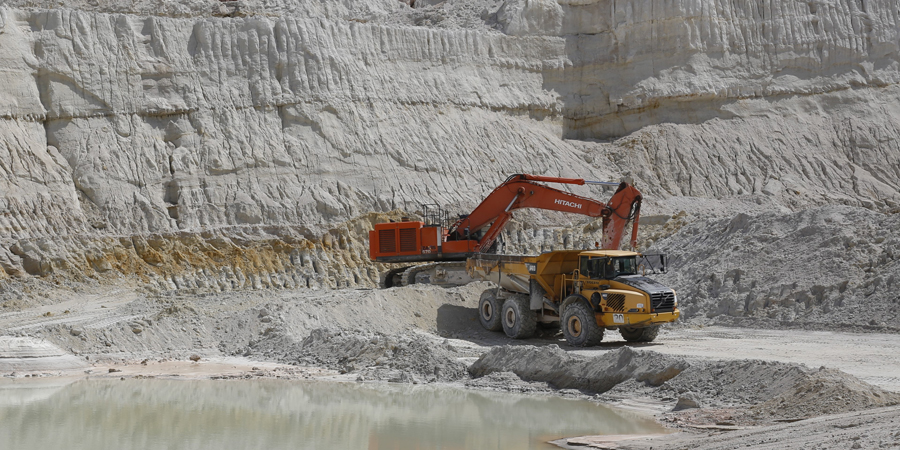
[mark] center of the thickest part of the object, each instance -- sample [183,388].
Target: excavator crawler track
[446,274]
[392,277]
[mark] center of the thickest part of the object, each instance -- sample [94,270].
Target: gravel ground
[695,379]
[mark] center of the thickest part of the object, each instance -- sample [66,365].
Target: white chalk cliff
[211,145]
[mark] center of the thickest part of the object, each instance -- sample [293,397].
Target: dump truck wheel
[489,311]
[579,326]
[519,321]
[639,334]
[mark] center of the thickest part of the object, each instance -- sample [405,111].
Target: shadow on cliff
[600,98]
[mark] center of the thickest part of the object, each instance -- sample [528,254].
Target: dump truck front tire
[639,334]
[518,320]
[489,310]
[579,326]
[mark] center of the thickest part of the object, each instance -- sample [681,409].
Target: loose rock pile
[566,371]
[399,358]
[773,390]
[823,268]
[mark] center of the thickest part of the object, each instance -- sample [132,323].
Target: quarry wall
[210,145]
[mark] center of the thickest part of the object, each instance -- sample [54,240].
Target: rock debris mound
[773,390]
[563,370]
[826,391]
[400,358]
[830,267]
[724,383]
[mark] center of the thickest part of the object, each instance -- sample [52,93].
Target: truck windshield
[623,266]
[603,268]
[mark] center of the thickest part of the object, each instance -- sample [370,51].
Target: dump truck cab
[616,288]
[586,291]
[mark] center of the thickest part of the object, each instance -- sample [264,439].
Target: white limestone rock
[134,133]
[531,17]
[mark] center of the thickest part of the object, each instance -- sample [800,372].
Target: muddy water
[163,414]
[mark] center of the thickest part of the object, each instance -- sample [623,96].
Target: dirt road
[449,313]
[868,356]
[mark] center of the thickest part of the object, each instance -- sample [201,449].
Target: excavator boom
[523,191]
[413,241]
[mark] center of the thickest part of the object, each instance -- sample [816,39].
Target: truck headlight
[676,298]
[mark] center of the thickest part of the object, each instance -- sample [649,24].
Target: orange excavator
[446,244]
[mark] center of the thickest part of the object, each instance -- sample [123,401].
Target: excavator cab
[435,216]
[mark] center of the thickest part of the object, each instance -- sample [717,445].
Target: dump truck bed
[508,271]
[548,270]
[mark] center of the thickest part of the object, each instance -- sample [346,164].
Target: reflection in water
[273,414]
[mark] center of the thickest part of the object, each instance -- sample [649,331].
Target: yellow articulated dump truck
[586,292]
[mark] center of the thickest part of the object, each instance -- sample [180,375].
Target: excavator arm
[523,191]
[416,241]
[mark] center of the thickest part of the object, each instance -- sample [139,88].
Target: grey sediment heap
[775,390]
[32,355]
[194,146]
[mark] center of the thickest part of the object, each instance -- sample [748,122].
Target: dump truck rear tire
[639,334]
[519,321]
[579,326]
[489,310]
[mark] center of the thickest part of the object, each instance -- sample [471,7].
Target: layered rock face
[210,145]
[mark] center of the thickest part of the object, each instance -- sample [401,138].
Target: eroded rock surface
[204,146]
